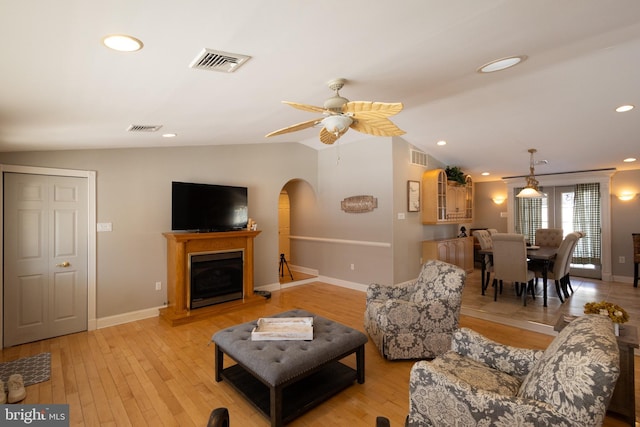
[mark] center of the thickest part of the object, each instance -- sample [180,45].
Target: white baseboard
[343,283]
[118,319]
[623,279]
[304,270]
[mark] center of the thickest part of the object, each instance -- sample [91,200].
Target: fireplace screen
[215,278]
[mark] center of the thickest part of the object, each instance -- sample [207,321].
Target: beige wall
[134,194]
[331,240]
[487,213]
[625,219]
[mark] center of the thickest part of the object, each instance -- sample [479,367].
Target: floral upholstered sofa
[416,320]
[484,383]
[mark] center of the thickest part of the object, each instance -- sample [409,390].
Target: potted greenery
[455,174]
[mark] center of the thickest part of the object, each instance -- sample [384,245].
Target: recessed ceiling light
[501,64]
[442,142]
[629,159]
[122,43]
[169,135]
[624,108]
[485,174]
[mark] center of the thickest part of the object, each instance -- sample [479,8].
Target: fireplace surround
[180,246]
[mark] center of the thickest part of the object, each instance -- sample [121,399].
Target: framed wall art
[413,196]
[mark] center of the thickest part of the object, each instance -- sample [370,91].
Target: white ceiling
[62,89]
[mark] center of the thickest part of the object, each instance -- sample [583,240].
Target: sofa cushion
[477,374]
[580,365]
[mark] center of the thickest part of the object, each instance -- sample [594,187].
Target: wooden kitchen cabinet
[445,202]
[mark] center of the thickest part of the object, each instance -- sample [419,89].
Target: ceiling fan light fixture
[337,123]
[501,64]
[531,191]
[335,103]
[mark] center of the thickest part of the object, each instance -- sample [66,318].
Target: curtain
[586,219]
[528,215]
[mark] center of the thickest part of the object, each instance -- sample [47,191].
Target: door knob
[64,264]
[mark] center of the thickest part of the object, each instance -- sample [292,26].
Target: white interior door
[45,256]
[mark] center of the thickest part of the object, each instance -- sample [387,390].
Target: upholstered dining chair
[484,239]
[549,237]
[510,264]
[415,320]
[492,231]
[559,271]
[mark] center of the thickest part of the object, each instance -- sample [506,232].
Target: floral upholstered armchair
[483,383]
[416,320]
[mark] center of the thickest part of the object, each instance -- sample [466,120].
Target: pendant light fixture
[531,191]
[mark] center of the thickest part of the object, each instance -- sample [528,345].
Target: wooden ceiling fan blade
[294,128]
[329,138]
[373,109]
[378,127]
[305,107]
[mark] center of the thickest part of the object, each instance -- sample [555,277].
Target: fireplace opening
[215,278]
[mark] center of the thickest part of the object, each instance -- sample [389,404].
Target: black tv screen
[208,207]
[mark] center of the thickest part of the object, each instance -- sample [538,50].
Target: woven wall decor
[359,204]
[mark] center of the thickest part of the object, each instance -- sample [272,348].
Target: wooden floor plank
[149,373]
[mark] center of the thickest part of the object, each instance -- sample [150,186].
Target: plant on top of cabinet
[455,174]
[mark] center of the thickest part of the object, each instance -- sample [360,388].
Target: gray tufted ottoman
[284,379]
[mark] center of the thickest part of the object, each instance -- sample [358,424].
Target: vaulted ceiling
[61,88]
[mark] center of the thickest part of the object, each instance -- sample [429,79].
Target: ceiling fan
[341,114]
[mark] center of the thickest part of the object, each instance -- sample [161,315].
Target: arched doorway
[284,225]
[293,199]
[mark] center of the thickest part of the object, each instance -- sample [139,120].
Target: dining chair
[561,266]
[549,237]
[492,231]
[484,239]
[510,264]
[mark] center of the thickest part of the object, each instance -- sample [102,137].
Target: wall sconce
[626,196]
[498,200]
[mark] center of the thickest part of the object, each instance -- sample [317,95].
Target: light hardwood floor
[149,373]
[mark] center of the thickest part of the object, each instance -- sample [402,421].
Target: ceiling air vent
[419,158]
[215,60]
[143,128]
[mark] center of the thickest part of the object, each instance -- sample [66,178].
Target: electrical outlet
[353,267]
[621,260]
[104,226]
[158,286]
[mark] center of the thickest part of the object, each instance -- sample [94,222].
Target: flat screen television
[208,207]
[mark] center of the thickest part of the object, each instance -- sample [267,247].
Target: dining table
[541,256]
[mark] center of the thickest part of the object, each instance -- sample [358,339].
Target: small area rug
[34,369]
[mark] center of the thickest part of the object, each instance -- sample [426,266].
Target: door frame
[91,233]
